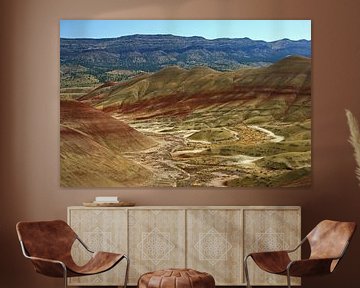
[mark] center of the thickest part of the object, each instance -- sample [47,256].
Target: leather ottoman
[176,278]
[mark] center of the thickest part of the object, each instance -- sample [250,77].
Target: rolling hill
[102,128]
[282,88]
[91,148]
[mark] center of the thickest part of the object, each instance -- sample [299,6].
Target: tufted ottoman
[176,278]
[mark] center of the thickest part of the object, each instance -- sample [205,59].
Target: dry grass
[354,139]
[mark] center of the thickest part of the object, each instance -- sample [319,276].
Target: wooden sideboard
[212,239]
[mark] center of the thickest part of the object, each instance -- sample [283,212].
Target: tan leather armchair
[48,245]
[328,242]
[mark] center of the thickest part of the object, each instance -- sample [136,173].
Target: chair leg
[65,276]
[288,278]
[126,271]
[246,270]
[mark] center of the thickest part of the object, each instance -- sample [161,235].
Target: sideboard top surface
[193,207]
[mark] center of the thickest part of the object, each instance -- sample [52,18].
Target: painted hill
[101,127]
[91,148]
[283,87]
[86,163]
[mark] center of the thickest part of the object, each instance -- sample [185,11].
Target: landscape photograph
[185,103]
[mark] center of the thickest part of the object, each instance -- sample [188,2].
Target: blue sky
[268,30]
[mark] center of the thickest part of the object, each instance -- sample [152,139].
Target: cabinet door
[270,230]
[214,244]
[101,230]
[156,240]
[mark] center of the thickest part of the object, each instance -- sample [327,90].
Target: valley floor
[180,160]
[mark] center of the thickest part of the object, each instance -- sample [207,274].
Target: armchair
[48,245]
[328,242]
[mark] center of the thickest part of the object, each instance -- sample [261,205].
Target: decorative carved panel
[156,240]
[270,230]
[214,241]
[101,230]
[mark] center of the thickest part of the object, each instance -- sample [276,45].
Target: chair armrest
[268,254]
[83,244]
[48,267]
[298,246]
[309,267]
[45,260]
[280,251]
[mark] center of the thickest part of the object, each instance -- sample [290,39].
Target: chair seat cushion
[176,278]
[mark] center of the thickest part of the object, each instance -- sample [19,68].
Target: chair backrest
[329,239]
[46,239]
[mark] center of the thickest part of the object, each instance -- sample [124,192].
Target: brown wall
[30,119]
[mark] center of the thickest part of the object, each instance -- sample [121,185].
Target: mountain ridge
[150,53]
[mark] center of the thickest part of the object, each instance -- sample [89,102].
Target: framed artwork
[184,103]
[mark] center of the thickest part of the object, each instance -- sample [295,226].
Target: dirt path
[275,138]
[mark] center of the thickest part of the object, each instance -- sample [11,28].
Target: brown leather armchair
[48,245]
[328,242]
